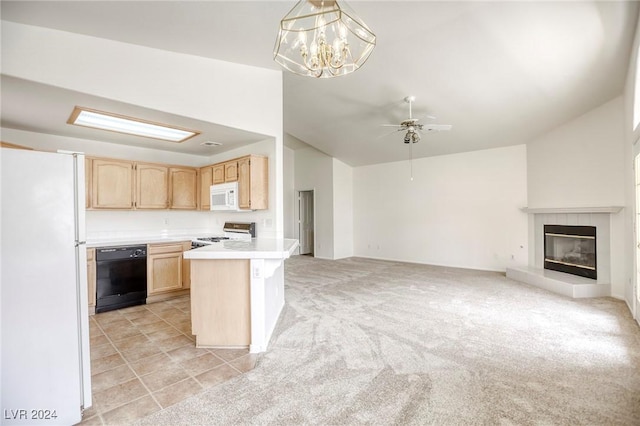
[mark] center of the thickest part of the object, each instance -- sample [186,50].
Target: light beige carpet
[373,342]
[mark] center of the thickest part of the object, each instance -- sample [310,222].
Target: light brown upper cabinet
[218,174]
[231,171]
[253,182]
[152,183]
[4,144]
[183,188]
[252,174]
[126,185]
[206,180]
[111,184]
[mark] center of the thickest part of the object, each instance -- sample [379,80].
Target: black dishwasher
[121,277]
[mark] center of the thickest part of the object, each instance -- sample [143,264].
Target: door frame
[635,302]
[297,218]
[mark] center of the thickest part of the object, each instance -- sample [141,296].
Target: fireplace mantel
[572,210]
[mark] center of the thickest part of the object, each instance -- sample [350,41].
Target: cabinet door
[253,183]
[206,180]
[218,174]
[152,186]
[91,279]
[164,268]
[112,184]
[231,171]
[244,183]
[184,188]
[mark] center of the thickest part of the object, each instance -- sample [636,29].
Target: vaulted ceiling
[502,73]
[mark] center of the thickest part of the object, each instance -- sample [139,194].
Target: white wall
[289,193]
[630,213]
[460,210]
[342,210]
[314,171]
[581,164]
[234,95]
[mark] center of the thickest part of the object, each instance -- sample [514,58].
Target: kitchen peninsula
[237,291]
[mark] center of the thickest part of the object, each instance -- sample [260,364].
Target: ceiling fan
[411,126]
[413,129]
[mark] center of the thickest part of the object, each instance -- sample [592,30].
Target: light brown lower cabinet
[164,268]
[91,279]
[167,271]
[220,302]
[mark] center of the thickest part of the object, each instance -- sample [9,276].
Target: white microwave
[224,196]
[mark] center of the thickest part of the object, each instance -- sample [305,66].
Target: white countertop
[140,240]
[257,248]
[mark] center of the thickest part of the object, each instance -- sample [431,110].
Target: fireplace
[571,249]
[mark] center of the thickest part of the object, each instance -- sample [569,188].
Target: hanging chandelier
[323,39]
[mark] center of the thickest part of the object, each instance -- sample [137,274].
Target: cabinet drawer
[165,248]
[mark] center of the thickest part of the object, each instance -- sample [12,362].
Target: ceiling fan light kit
[323,39]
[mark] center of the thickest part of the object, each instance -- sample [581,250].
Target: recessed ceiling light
[211,143]
[86,117]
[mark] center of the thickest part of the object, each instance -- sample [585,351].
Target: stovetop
[232,231]
[212,239]
[206,241]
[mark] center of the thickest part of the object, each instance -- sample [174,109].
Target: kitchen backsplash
[121,224]
[105,224]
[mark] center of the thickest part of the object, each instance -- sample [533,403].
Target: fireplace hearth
[571,249]
[537,274]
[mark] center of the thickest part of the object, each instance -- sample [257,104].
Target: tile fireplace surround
[559,282]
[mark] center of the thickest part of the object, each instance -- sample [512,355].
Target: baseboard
[468,268]
[169,295]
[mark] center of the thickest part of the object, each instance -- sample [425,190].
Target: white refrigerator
[45,364]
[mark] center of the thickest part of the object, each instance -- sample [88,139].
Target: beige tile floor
[144,359]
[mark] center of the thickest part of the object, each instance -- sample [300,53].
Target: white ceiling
[501,73]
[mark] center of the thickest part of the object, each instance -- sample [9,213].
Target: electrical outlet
[257,272]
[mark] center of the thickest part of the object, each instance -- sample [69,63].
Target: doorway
[305,222]
[637,235]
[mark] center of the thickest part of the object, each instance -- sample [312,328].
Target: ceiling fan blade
[389,134]
[436,127]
